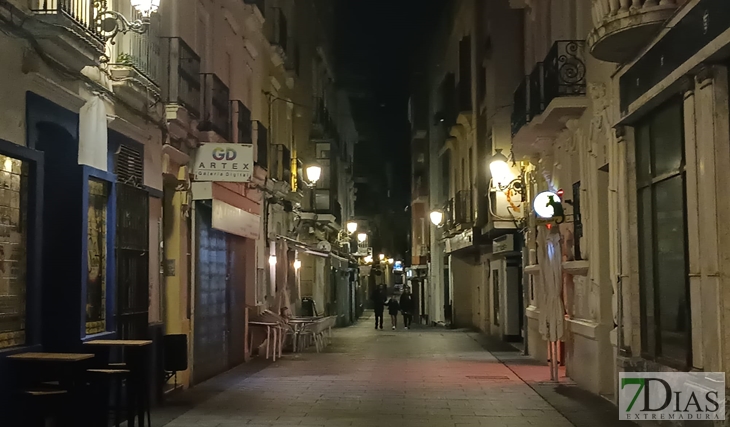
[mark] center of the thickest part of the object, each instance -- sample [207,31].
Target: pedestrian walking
[379,299]
[393,308]
[406,307]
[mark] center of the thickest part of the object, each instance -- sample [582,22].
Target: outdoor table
[67,368]
[136,357]
[298,324]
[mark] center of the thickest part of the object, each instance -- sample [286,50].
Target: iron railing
[216,106]
[520,114]
[183,82]
[140,51]
[82,12]
[564,71]
[243,132]
[262,145]
[280,30]
[281,169]
[463,208]
[536,93]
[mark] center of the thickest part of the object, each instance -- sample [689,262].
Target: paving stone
[417,378]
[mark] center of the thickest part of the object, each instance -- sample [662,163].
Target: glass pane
[667,139]
[96,251]
[646,272]
[672,276]
[643,155]
[13,250]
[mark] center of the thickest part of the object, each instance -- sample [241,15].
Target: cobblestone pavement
[420,377]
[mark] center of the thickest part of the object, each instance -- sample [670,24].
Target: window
[97,254]
[660,176]
[13,250]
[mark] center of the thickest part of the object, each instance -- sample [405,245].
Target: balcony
[521,106]
[621,29]
[262,145]
[135,62]
[323,127]
[181,87]
[242,131]
[281,163]
[216,107]
[553,93]
[277,31]
[463,214]
[67,30]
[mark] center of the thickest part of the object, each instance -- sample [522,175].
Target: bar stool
[101,381]
[39,404]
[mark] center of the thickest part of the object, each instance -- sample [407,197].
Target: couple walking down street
[394,304]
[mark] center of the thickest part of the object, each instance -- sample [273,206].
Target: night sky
[375,55]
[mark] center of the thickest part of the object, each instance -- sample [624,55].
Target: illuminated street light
[146,7]
[351,227]
[381,257]
[314,172]
[297,264]
[437,217]
[500,170]
[272,260]
[391,261]
[368,259]
[362,237]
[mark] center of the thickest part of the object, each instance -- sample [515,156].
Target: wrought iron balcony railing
[262,145]
[520,107]
[561,74]
[216,106]
[463,208]
[82,12]
[564,70]
[140,52]
[183,82]
[243,132]
[281,163]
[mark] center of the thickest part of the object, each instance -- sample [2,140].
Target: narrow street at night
[420,377]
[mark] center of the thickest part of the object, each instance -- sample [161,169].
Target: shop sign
[224,162]
[503,244]
[233,220]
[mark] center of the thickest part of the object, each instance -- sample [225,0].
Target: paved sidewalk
[422,377]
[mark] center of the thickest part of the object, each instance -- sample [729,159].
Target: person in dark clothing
[379,298]
[406,307]
[393,308]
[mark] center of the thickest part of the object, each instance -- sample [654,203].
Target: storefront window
[13,250]
[665,310]
[96,253]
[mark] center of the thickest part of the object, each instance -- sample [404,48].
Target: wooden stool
[41,403]
[101,385]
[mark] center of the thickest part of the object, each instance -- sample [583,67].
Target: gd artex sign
[224,162]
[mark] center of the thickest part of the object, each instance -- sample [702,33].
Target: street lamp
[500,170]
[272,260]
[351,227]
[368,259]
[112,22]
[362,237]
[297,264]
[381,257]
[391,261]
[437,217]
[314,172]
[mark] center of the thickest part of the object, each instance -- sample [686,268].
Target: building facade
[598,104]
[112,232]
